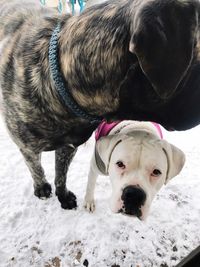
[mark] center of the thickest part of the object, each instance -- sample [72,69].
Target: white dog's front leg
[89,202]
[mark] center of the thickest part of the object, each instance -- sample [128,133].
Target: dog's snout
[133,198]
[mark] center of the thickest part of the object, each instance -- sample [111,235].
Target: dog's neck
[94,57]
[61,84]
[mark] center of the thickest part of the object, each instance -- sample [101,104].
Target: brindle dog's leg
[33,160]
[64,157]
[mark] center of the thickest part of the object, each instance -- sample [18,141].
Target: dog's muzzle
[133,198]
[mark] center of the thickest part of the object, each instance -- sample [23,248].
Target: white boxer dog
[138,162]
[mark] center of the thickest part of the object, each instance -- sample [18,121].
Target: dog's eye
[156,173]
[120,164]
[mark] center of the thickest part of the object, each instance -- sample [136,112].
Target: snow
[35,232]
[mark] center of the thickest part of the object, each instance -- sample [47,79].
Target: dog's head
[164,35]
[138,165]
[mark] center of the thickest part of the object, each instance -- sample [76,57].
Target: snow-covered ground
[39,233]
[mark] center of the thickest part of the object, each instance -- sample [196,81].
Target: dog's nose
[133,198]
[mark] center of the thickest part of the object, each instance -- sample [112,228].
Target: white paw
[89,205]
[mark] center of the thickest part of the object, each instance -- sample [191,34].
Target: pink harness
[104,128]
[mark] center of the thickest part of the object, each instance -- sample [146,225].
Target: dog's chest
[45,138]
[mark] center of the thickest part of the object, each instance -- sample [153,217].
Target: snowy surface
[39,233]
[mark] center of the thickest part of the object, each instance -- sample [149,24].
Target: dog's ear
[164,34]
[175,159]
[105,147]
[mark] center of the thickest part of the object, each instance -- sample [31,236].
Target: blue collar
[59,80]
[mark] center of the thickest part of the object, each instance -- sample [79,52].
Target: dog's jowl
[60,75]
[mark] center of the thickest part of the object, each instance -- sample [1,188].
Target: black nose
[133,198]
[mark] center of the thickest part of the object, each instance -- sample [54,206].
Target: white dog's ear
[105,147]
[175,159]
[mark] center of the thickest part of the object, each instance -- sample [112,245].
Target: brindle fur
[103,76]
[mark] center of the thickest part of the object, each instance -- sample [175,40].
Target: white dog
[138,162]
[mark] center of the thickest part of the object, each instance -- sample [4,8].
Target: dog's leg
[41,187]
[89,202]
[64,157]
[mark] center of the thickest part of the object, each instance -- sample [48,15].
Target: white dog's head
[138,164]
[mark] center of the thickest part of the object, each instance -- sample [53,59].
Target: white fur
[142,151]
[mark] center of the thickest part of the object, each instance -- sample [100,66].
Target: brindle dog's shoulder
[32,108]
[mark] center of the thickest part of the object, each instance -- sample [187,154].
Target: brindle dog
[132,59]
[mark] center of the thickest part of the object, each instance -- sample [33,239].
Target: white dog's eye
[156,173]
[120,164]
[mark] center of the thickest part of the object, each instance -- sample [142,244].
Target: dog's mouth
[169,128]
[131,212]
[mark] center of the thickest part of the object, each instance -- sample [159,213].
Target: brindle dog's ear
[164,34]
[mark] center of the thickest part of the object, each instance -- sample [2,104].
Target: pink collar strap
[157,126]
[104,128]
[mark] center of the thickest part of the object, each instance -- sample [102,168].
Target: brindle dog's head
[162,83]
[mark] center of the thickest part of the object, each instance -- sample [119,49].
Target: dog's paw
[67,199]
[89,205]
[43,191]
